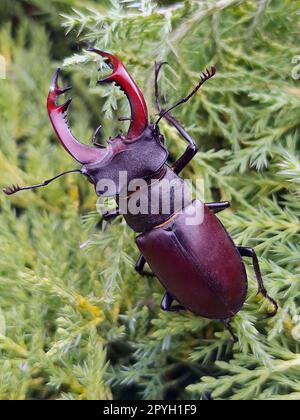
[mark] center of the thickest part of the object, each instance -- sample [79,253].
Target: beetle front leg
[139,267]
[250,252]
[166,304]
[190,151]
[108,217]
[111,215]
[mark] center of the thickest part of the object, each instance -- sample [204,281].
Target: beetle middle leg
[139,267]
[167,300]
[166,304]
[250,252]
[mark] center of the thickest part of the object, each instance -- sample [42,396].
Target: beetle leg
[111,215]
[190,151]
[228,326]
[139,267]
[166,304]
[217,207]
[250,252]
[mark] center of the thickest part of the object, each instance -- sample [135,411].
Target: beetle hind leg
[166,304]
[228,326]
[219,206]
[250,252]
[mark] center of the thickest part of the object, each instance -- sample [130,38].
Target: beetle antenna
[203,78]
[15,188]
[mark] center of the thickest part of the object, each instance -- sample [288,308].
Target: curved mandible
[139,113]
[58,117]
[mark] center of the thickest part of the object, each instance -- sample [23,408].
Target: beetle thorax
[164,195]
[126,162]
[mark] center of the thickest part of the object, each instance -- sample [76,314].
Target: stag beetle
[199,266]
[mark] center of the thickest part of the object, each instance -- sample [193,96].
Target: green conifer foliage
[78,322]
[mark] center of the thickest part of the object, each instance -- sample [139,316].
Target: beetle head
[140,153]
[125,161]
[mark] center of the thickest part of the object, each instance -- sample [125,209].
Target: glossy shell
[197,264]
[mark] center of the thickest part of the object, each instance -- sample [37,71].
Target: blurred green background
[79,323]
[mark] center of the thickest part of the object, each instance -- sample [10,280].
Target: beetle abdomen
[197,263]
